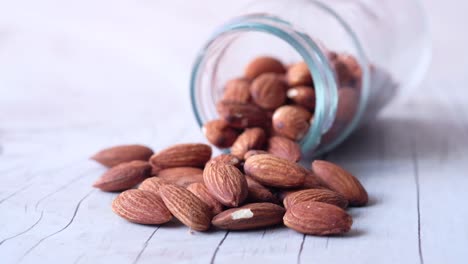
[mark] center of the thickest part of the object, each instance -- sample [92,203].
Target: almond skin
[141,207]
[182,176]
[237,90]
[226,183]
[303,96]
[249,216]
[275,171]
[123,176]
[219,133]
[229,159]
[113,156]
[291,121]
[316,195]
[252,138]
[182,155]
[316,218]
[262,65]
[239,115]
[258,192]
[253,152]
[200,190]
[339,180]
[186,207]
[299,74]
[268,91]
[152,184]
[347,70]
[284,148]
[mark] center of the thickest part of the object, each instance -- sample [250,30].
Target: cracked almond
[249,216]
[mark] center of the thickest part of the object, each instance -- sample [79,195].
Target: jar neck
[205,88]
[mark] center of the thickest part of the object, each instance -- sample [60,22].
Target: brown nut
[226,183]
[123,176]
[186,207]
[200,190]
[219,133]
[268,91]
[303,96]
[141,207]
[339,180]
[299,74]
[291,121]
[263,65]
[114,156]
[274,171]
[249,216]
[227,158]
[181,155]
[258,192]
[253,152]
[182,176]
[240,115]
[316,218]
[316,195]
[284,148]
[252,138]
[237,90]
[348,101]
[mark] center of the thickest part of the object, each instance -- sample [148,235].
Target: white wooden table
[77,76]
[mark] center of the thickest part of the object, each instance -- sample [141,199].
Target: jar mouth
[311,52]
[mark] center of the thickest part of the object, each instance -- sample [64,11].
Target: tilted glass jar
[388,39]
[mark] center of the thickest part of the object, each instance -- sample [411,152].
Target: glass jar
[387,41]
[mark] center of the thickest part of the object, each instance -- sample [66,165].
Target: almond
[226,183]
[299,74]
[312,182]
[339,180]
[182,176]
[152,184]
[291,121]
[227,158]
[258,192]
[284,148]
[348,101]
[237,90]
[275,171]
[253,152]
[113,156]
[303,96]
[252,138]
[347,69]
[268,91]
[316,218]
[182,155]
[219,133]
[200,190]
[239,115]
[263,65]
[142,207]
[249,216]
[186,207]
[123,176]
[316,195]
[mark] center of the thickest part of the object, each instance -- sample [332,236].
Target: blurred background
[97,67]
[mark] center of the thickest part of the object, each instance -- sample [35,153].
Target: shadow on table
[392,139]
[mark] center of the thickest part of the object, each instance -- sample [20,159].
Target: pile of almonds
[272,106]
[231,192]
